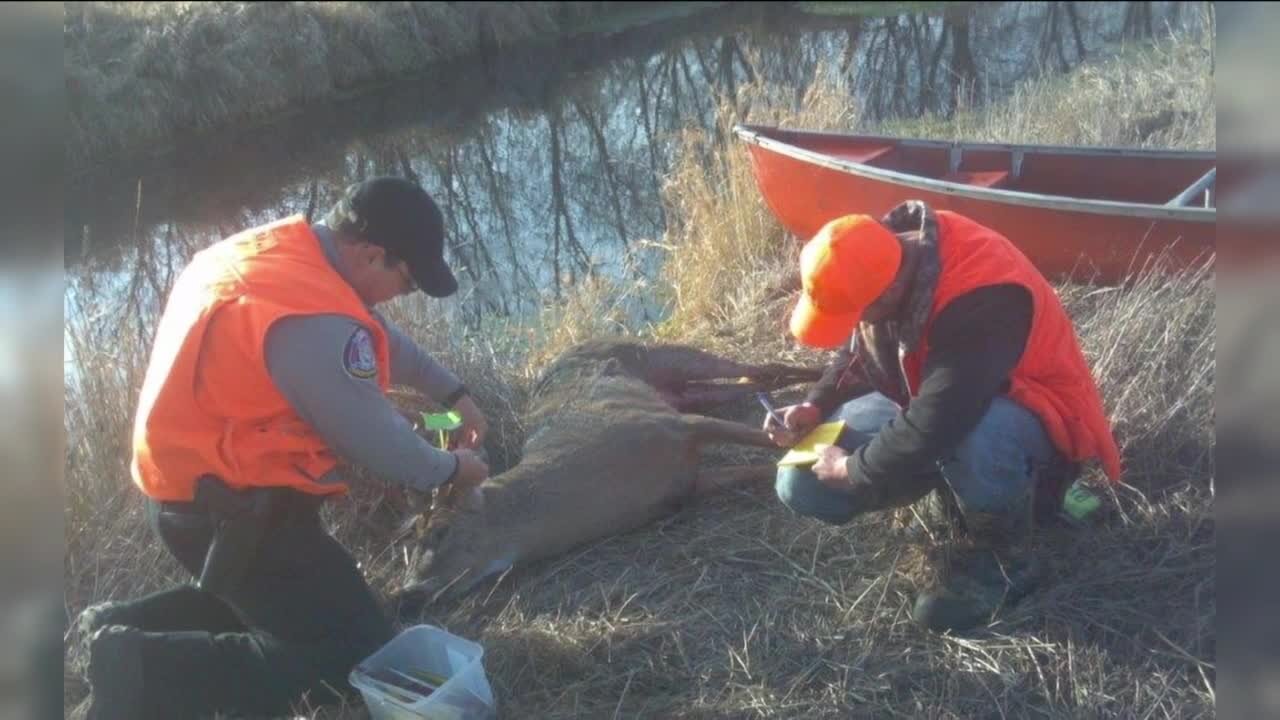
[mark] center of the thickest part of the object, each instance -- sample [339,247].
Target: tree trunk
[746,65]
[931,81]
[597,133]
[966,90]
[311,202]
[498,199]
[452,201]
[674,117]
[725,69]
[693,89]
[1211,14]
[651,143]
[478,242]
[1074,17]
[852,35]
[560,206]
[900,50]
[1137,19]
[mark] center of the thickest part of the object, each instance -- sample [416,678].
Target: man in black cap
[269,364]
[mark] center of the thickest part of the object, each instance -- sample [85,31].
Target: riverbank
[143,78]
[140,76]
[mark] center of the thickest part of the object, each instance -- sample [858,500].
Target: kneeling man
[958,372]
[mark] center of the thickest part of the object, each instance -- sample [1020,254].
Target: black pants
[302,618]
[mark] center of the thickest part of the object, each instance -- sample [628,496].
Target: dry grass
[737,608]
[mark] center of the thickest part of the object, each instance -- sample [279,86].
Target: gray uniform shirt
[323,366]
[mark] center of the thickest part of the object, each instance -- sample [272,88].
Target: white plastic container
[465,695]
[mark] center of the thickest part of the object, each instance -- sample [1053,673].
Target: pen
[764,400]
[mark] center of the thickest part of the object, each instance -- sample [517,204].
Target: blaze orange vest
[1052,379]
[208,404]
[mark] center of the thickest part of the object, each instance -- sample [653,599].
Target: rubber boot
[992,568]
[115,674]
[90,621]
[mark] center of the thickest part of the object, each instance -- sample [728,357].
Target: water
[548,163]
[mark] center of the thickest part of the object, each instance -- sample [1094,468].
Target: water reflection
[548,162]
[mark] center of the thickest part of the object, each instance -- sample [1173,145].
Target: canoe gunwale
[760,135]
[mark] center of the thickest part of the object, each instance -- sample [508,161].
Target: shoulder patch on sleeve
[357,357]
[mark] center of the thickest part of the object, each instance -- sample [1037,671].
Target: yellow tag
[806,451]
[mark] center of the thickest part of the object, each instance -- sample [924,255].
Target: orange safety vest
[208,404]
[1052,378]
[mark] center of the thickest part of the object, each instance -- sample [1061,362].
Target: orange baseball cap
[844,268]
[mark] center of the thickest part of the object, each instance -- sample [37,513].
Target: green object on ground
[1079,503]
[442,423]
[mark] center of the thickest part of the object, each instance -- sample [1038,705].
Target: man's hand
[831,467]
[471,472]
[462,490]
[474,426]
[799,421]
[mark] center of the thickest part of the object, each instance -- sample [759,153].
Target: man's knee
[800,490]
[998,463]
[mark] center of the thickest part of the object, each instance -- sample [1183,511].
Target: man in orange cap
[958,372]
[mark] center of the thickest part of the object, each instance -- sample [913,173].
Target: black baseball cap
[396,214]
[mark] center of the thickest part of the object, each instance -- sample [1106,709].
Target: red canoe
[1090,213]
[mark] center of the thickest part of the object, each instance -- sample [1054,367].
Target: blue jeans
[994,466]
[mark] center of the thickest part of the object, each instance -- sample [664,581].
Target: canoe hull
[1103,247]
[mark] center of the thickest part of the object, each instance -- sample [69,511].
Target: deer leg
[701,396]
[779,375]
[714,430]
[715,479]
[672,365]
[677,364]
[693,399]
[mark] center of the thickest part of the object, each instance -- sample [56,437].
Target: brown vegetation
[139,75]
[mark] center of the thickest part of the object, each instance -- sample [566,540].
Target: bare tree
[929,85]
[651,143]
[1074,17]
[853,34]
[562,222]
[1137,19]
[311,202]
[499,200]
[452,209]
[478,239]
[1051,37]
[962,63]
[595,127]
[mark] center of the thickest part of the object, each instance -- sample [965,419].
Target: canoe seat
[981,178]
[864,154]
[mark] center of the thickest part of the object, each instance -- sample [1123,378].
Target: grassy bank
[1150,95]
[737,608]
[141,75]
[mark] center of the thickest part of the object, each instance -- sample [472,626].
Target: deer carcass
[612,446]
